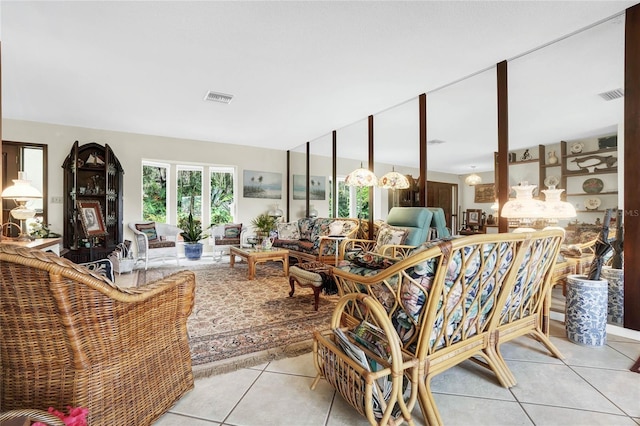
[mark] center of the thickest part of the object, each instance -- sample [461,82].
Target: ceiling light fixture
[473,179]
[218,97]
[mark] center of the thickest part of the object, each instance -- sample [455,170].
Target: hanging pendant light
[473,179]
[361,177]
[394,180]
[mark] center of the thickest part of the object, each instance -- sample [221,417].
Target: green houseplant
[263,224]
[192,234]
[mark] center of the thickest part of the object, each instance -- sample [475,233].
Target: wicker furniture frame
[166,249]
[73,338]
[449,328]
[255,256]
[355,383]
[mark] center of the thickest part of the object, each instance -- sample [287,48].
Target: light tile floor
[592,386]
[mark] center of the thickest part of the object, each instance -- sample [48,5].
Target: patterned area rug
[237,322]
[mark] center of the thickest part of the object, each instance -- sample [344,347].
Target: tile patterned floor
[592,386]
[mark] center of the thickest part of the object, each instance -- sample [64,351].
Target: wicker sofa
[303,238]
[71,337]
[447,301]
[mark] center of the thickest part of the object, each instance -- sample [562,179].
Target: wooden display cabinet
[92,174]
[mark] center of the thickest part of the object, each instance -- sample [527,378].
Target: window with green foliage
[222,195]
[212,202]
[189,193]
[154,192]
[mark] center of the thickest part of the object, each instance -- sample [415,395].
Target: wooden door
[444,195]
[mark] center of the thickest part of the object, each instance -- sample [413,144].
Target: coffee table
[254,256]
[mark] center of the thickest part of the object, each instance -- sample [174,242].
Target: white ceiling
[299,70]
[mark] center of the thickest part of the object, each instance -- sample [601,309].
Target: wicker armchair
[73,338]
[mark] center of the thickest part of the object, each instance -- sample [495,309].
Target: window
[222,195]
[212,199]
[189,192]
[154,192]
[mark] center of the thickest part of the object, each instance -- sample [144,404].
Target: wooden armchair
[71,337]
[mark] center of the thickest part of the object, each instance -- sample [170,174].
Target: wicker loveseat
[447,301]
[303,238]
[69,337]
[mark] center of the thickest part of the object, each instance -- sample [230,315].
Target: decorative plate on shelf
[592,203]
[576,148]
[551,181]
[592,185]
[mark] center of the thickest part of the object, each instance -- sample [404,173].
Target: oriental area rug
[238,323]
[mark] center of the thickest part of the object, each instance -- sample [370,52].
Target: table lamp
[22,191]
[524,208]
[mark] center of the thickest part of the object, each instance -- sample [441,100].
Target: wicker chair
[32,416]
[451,301]
[73,338]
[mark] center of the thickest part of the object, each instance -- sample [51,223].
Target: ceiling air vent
[218,97]
[612,94]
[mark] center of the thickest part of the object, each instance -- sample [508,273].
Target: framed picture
[474,217]
[318,187]
[258,184]
[90,213]
[485,193]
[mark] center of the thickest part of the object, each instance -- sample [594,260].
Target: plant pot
[615,278]
[193,251]
[586,310]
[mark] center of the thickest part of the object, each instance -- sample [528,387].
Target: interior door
[441,194]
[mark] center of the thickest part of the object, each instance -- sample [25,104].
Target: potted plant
[263,224]
[192,234]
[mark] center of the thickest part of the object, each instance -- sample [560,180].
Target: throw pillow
[149,229]
[390,235]
[288,231]
[232,230]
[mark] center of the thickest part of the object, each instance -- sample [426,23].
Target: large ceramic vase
[586,310]
[193,251]
[615,278]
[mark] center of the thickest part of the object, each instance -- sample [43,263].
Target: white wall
[131,149]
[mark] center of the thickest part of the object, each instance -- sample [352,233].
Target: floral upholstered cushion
[288,231]
[149,229]
[305,226]
[390,235]
[373,260]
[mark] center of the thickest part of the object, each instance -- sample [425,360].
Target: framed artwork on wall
[318,187]
[262,185]
[485,193]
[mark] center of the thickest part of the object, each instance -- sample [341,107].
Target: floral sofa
[452,300]
[303,238]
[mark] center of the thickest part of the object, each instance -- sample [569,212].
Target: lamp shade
[524,206]
[21,190]
[361,177]
[555,207]
[394,180]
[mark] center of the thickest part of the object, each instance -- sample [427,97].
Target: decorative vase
[615,279]
[586,310]
[193,251]
[552,158]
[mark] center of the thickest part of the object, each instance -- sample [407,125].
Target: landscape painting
[318,187]
[262,185]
